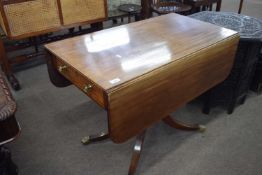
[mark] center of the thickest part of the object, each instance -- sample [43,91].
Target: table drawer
[80,81]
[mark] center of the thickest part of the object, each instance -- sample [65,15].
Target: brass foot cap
[202,128]
[85,140]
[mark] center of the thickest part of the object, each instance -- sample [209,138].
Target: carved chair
[9,128]
[235,88]
[203,5]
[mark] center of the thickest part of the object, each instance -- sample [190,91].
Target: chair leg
[218,7]
[240,6]
[114,21]
[97,26]
[243,99]
[231,106]
[210,7]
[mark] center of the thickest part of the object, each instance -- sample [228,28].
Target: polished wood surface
[115,56]
[153,96]
[147,69]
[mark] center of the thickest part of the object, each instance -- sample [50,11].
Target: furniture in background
[154,71]
[131,10]
[197,5]
[240,6]
[146,9]
[9,128]
[235,88]
[30,18]
[257,80]
[124,8]
[170,6]
[203,5]
[114,15]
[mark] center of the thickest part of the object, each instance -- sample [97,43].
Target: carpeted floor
[54,120]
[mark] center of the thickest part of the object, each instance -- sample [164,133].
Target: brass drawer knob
[62,68]
[88,88]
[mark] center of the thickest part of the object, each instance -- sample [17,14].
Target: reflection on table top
[114,56]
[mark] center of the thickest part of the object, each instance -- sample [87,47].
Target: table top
[115,56]
[143,71]
[248,27]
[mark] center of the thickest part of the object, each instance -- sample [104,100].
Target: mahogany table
[143,71]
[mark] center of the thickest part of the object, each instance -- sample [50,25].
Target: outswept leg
[183,126]
[94,138]
[141,137]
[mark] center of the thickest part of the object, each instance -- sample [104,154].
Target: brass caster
[86,140]
[202,128]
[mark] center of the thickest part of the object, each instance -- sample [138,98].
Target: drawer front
[80,81]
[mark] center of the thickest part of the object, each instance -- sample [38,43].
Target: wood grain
[150,98]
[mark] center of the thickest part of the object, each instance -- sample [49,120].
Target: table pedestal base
[141,137]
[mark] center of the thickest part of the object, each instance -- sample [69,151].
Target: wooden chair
[202,5]
[170,6]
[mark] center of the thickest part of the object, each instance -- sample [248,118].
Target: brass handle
[88,88]
[62,68]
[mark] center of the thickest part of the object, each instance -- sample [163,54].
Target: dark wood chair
[203,5]
[235,88]
[170,6]
[257,80]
